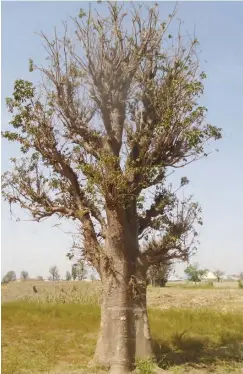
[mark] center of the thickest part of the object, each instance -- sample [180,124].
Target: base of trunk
[124,329]
[119,369]
[144,345]
[116,343]
[104,354]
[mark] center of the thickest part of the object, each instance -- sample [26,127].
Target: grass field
[195,329]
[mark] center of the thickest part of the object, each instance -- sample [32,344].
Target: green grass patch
[37,337]
[41,338]
[205,323]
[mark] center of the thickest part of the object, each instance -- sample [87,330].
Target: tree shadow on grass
[198,352]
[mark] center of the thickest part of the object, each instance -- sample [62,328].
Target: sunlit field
[196,329]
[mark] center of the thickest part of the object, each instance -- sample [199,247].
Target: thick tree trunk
[116,343]
[113,320]
[124,330]
[144,346]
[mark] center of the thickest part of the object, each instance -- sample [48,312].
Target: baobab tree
[115,113]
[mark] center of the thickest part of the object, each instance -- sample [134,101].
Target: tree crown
[107,124]
[194,273]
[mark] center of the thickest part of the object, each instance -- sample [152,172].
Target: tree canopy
[159,273]
[24,275]
[115,112]
[55,276]
[219,274]
[194,273]
[9,277]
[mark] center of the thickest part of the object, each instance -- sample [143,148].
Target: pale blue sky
[216,182]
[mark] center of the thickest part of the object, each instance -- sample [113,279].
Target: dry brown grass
[223,296]
[222,299]
[53,292]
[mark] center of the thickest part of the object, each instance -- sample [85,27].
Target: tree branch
[179,234]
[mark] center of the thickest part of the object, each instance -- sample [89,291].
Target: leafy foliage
[24,275]
[158,273]
[80,271]
[106,128]
[9,277]
[195,274]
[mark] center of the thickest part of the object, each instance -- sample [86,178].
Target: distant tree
[68,276]
[92,277]
[40,278]
[158,274]
[194,273]
[218,274]
[81,270]
[240,284]
[54,273]
[74,272]
[9,277]
[241,275]
[24,275]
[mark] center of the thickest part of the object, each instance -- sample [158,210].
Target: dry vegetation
[196,330]
[221,297]
[225,296]
[57,292]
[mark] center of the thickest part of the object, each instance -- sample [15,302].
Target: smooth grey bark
[124,330]
[144,345]
[117,340]
[135,313]
[116,343]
